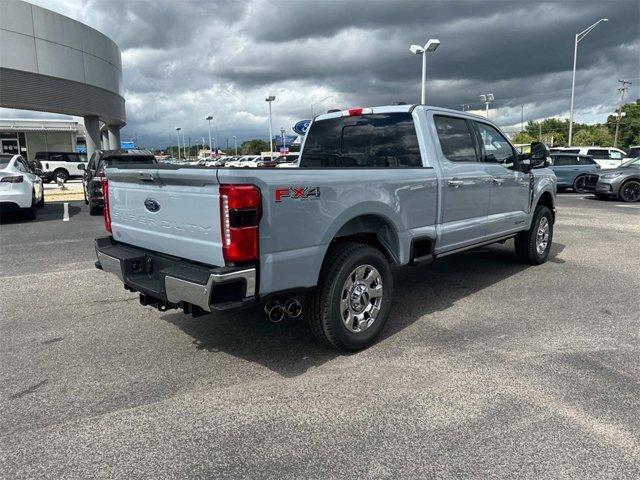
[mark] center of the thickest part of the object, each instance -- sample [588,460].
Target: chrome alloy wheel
[361,298]
[542,235]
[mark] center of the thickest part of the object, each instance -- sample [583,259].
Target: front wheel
[533,245]
[630,191]
[351,303]
[578,184]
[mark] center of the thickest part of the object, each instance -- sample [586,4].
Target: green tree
[523,137]
[254,147]
[593,135]
[629,125]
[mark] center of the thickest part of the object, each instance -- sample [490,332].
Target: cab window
[495,147]
[456,139]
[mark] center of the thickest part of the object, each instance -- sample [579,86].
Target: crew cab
[401,185]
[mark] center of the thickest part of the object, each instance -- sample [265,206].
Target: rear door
[565,167]
[510,187]
[172,211]
[465,184]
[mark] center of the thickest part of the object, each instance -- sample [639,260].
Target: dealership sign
[301,127]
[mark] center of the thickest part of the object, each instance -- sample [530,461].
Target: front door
[510,187]
[465,185]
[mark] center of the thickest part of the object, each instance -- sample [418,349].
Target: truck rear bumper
[168,282]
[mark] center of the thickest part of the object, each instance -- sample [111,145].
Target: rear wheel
[630,191]
[533,245]
[31,212]
[578,184]
[61,174]
[94,210]
[351,303]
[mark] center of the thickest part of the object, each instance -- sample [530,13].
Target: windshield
[634,163]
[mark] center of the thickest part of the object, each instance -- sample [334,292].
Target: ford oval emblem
[151,205]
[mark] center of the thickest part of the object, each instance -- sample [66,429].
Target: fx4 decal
[300,193]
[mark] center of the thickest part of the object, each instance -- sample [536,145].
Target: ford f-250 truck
[375,186]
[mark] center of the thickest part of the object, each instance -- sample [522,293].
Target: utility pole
[622,89]
[522,117]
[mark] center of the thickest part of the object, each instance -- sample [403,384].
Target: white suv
[604,156]
[62,165]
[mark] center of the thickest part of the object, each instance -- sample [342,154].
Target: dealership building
[51,63]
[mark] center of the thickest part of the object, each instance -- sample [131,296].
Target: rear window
[602,154]
[368,141]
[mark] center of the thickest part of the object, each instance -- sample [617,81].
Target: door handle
[455,183]
[498,181]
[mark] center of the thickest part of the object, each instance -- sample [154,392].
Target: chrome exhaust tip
[274,311]
[293,307]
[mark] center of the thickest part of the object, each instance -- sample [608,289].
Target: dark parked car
[571,170]
[622,182]
[94,173]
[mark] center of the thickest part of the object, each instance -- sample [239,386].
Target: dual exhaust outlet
[276,310]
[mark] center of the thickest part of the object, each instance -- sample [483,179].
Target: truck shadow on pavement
[290,349]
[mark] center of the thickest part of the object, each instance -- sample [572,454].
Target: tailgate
[172,211]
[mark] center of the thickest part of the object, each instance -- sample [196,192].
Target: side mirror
[82,166]
[538,158]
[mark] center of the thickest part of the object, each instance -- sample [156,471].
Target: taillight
[107,213]
[16,179]
[240,212]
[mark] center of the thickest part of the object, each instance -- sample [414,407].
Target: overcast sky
[184,59]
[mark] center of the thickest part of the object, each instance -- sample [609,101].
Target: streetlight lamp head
[432,45]
[270,98]
[416,49]
[490,97]
[605,19]
[483,98]
[208,117]
[178,128]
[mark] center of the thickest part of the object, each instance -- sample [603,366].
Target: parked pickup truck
[375,186]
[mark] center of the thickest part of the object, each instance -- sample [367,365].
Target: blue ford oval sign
[151,205]
[301,127]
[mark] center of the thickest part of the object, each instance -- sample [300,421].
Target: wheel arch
[374,229]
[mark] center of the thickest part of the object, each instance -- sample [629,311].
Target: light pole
[430,46]
[235,141]
[270,99]
[579,36]
[208,118]
[486,99]
[284,140]
[178,132]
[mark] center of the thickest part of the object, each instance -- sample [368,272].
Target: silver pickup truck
[375,186]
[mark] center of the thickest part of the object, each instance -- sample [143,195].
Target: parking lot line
[65,215]
[628,206]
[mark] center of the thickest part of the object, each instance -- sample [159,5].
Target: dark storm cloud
[183,59]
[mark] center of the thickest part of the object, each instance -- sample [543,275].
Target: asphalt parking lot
[488,368]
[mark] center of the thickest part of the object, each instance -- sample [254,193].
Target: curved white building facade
[52,63]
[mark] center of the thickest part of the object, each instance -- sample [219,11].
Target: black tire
[40,204]
[630,191]
[526,243]
[62,174]
[31,212]
[94,210]
[324,304]
[84,194]
[578,184]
